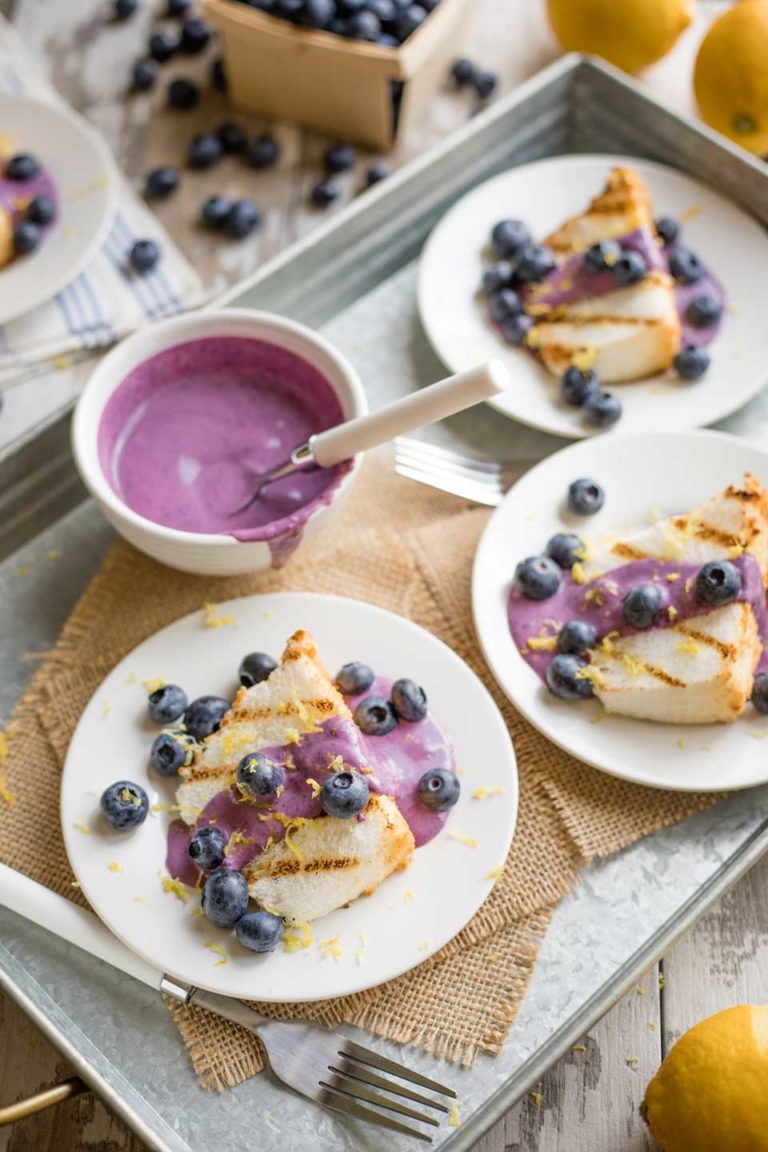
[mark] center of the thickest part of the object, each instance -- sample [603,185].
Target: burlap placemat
[409,549]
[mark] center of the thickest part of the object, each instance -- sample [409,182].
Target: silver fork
[473,478]
[328,1067]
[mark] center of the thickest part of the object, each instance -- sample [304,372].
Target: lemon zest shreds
[542,643]
[297,936]
[216,619]
[220,951]
[113,866]
[176,887]
[468,840]
[330,947]
[409,898]
[538,1100]
[481,793]
[494,874]
[154,683]
[5,793]
[579,1048]
[82,827]
[453,1116]
[316,788]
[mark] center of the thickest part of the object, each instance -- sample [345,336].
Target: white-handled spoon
[446,398]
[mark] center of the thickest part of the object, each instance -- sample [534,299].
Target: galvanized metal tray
[355,279]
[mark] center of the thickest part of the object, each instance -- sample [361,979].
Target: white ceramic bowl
[200,553]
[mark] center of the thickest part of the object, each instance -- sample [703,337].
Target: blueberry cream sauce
[392,764]
[185,436]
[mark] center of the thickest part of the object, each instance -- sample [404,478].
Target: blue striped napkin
[104,302]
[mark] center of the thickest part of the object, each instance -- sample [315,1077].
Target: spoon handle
[424,407]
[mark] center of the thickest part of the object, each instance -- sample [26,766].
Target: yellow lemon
[711,1092]
[629,33]
[731,75]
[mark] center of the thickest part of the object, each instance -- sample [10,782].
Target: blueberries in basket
[704,311]
[183,94]
[263,151]
[484,83]
[497,276]
[344,794]
[195,34]
[224,898]
[232,137]
[23,166]
[204,150]
[215,212]
[363,25]
[163,45]
[143,75]
[161,182]
[760,693]
[577,384]
[355,678]
[41,210]
[537,577]
[691,363]
[26,238]
[685,266]
[386,10]
[585,497]
[439,789]
[258,776]
[207,847]
[409,700]
[175,8]
[516,328]
[288,9]
[409,20]
[219,75]
[668,229]
[255,667]
[602,409]
[462,72]
[601,256]
[339,158]
[317,13]
[718,582]
[375,716]
[575,637]
[375,173]
[124,9]
[143,255]
[124,805]
[566,678]
[204,716]
[641,605]
[170,752]
[535,262]
[259,931]
[509,238]
[566,549]
[630,268]
[323,193]
[243,219]
[166,704]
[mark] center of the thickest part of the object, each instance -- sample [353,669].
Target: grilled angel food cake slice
[622,207]
[330,862]
[6,237]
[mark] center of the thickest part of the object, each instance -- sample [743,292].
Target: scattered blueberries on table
[538,577]
[566,549]
[166,704]
[204,715]
[144,75]
[225,897]
[143,255]
[462,71]
[124,805]
[170,752]
[566,678]
[484,84]
[195,35]
[258,776]
[233,137]
[207,847]
[259,931]
[22,167]
[718,582]
[691,363]
[344,794]
[641,605]
[124,9]
[578,384]
[439,789]
[585,497]
[204,150]
[215,212]
[244,218]
[324,193]
[354,678]
[175,8]
[375,173]
[263,151]
[602,409]
[161,182]
[219,75]
[254,668]
[163,45]
[339,158]
[183,94]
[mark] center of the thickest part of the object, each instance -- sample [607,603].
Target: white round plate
[86,181]
[642,474]
[545,194]
[412,914]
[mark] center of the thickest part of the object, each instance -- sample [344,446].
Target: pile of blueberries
[124,805]
[385,22]
[39,212]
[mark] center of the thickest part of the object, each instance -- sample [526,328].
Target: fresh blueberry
[207,847]
[166,704]
[219,75]
[354,678]
[685,266]
[143,75]
[585,497]
[375,173]
[504,305]
[386,10]
[575,637]
[535,262]
[204,150]
[704,312]
[26,237]
[161,182]
[124,9]
[288,9]
[375,716]
[497,276]
[171,751]
[718,582]
[339,158]
[215,212]
[183,94]
[630,268]
[204,716]
[124,805]
[409,700]
[22,167]
[577,384]
[263,151]
[439,789]
[566,549]
[195,34]
[259,931]
[668,229]
[601,256]
[602,409]
[484,83]
[143,255]
[175,8]
[244,218]
[462,72]
[363,25]
[691,363]
[538,577]
[387,40]
[317,13]
[41,210]
[344,794]
[259,776]
[760,693]
[516,328]
[409,20]
[163,45]
[566,679]
[509,238]
[323,193]
[641,605]
[225,897]
[255,667]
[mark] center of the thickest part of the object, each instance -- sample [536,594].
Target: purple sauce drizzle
[572,601]
[15,195]
[396,763]
[184,437]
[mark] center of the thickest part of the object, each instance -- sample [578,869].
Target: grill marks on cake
[276,869]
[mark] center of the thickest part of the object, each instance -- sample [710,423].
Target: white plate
[448,880]
[644,473]
[544,194]
[86,180]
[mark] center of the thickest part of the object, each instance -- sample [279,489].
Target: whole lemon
[628,33]
[711,1092]
[731,75]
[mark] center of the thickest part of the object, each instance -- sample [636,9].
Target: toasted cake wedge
[330,862]
[6,237]
[623,206]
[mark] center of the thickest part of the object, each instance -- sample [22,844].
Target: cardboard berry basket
[362,92]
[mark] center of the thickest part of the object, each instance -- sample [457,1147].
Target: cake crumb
[53,553]
[139,899]
[106,708]
[652,1025]
[481,793]
[297,936]
[681,742]
[154,683]
[453,1116]
[220,951]
[631,1061]
[691,213]
[331,947]
[215,619]
[579,1048]
[493,959]
[83,827]
[74,883]
[409,898]
[113,866]
[662,981]
[538,1100]
[495,874]
[468,840]
[426,945]
[5,793]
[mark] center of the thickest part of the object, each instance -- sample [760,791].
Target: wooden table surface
[589,1101]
